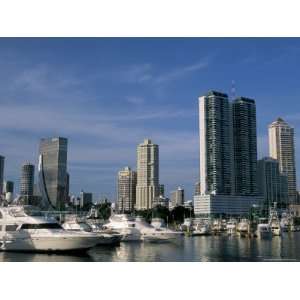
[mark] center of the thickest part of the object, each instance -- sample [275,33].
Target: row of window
[32,226]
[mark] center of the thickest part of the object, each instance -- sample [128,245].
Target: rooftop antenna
[233,90]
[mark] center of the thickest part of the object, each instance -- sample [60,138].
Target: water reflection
[212,248]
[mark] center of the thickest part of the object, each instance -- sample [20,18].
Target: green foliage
[104,210]
[175,216]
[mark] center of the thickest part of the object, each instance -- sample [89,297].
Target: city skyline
[160,100]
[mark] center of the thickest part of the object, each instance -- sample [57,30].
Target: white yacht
[231,227]
[124,225]
[187,224]
[203,228]
[24,229]
[105,237]
[263,229]
[150,233]
[286,222]
[158,223]
[243,228]
[274,222]
[217,226]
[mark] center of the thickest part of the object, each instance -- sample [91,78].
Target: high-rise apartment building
[282,148]
[8,187]
[271,183]
[53,171]
[126,190]
[27,182]
[8,190]
[147,174]
[177,197]
[245,146]
[2,160]
[86,199]
[228,155]
[216,149]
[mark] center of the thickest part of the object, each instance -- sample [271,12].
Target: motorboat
[263,229]
[231,227]
[149,233]
[105,237]
[274,222]
[286,222]
[217,226]
[244,228]
[125,225]
[201,229]
[24,228]
[158,223]
[187,224]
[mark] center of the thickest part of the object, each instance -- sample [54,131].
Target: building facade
[53,172]
[27,182]
[86,199]
[177,197]
[126,190]
[224,205]
[147,188]
[228,155]
[216,152]
[2,160]
[282,148]
[245,146]
[8,190]
[272,185]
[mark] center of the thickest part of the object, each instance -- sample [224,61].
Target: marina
[185,249]
[27,234]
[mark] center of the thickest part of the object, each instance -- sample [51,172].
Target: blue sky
[107,95]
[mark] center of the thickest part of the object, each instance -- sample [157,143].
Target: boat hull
[48,244]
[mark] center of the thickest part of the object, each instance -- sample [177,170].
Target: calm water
[213,248]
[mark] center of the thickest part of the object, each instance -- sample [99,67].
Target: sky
[106,95]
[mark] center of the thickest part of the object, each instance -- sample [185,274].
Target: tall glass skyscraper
[216,148]
[245,146]
[53,171]
[228,156]
[27,181]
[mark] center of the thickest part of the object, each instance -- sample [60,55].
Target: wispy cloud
[138,73]
[183,71]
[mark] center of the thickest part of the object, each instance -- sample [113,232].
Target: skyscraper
[245,146]
[8,190]
[53,171]
[271,183]
[147,174]
[177,197]
[282,148]
[228,156]
[27,182]
[216,155]
[126,190]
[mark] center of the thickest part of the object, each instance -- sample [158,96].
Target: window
[11,227]
[41,226]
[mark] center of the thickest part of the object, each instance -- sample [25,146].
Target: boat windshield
[41,226]
[33,211]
